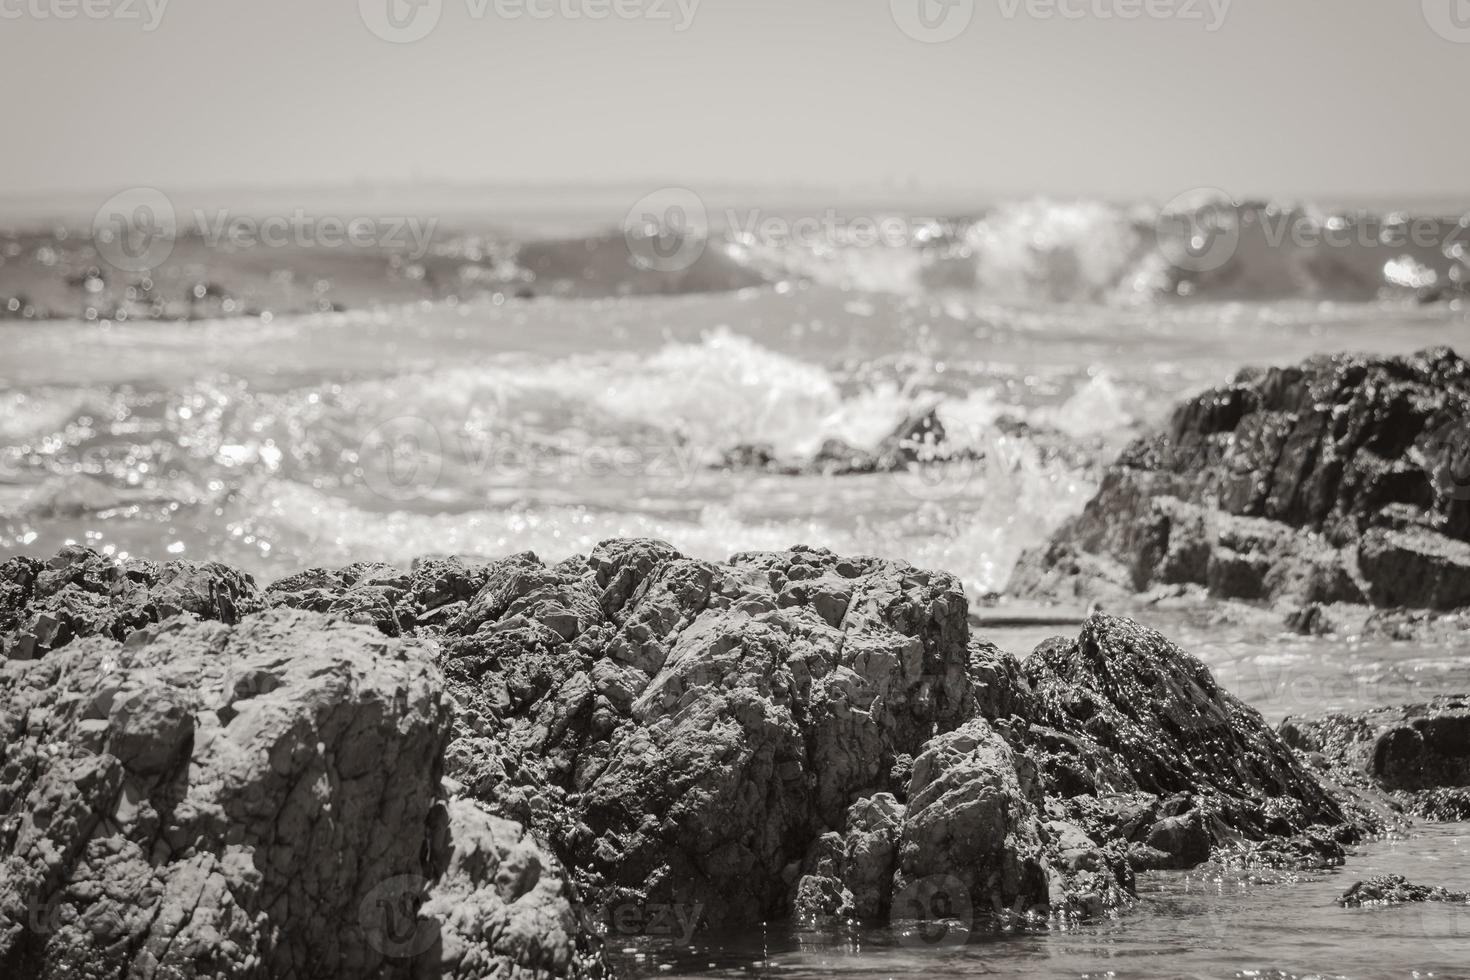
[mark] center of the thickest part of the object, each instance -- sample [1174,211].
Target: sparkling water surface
[548,424]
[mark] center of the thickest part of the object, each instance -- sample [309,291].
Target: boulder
[1419,753]
[1395,890]
[711,744]
[262,799]
[1135,741]
[684,732]
[970,819]
[1337,480]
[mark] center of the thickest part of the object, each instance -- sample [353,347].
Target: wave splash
[1059,251]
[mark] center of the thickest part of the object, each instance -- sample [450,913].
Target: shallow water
[1203,923]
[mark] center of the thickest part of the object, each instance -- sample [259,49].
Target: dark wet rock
[1415,567]
[1311,620]
[1332,481]
[1443,805]
[80,593]
[835,457]
[919,438]
[1419,753]
[1395,890]
[1136,742]
[257,800]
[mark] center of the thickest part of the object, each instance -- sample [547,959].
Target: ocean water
[1199,924]
[603,401]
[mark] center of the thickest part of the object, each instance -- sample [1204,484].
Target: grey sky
[1299,97]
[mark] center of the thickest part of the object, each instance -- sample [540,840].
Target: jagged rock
[1331,481]
[768,736]
[917,439]
[1394,890]
[784,733]
[706,723]
[1135,741]
[79,593]
[1420,753]
[969,818]
[256,800]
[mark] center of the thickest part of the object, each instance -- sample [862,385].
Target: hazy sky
[1309,97]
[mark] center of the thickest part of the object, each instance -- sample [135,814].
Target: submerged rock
[257,800]
[1343,479]
[1395,890]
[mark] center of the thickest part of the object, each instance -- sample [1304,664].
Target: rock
[1420,753]
[1394,890]
[1415,567]
[1135,741]
[1310,620]
[919,438]
[257,800]
[706,723]
[1183,840]
[801,733]
[969,819]
[79,593]
[1320,483]
[784,734]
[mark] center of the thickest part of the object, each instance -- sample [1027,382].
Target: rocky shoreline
[472,768]
[483,767]
[1337,490]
